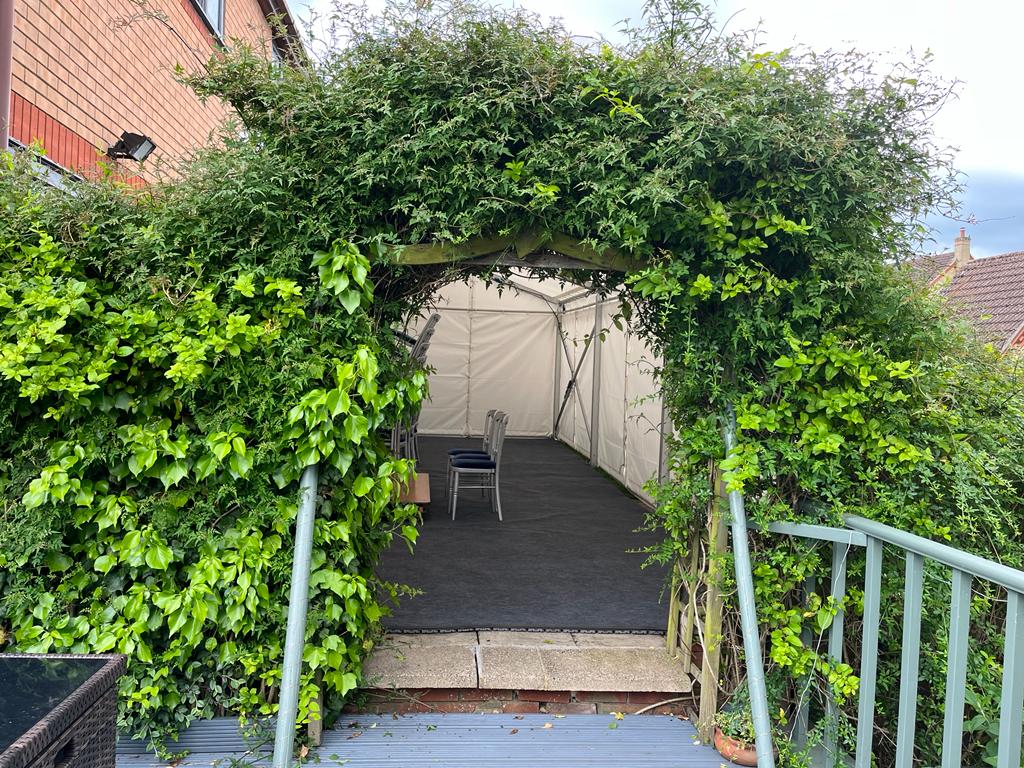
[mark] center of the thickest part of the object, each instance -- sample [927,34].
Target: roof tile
[929,266]
[990,292]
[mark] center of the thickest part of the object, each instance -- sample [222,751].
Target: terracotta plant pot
[735,750]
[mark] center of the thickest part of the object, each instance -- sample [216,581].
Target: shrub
[170,361]
[172,358]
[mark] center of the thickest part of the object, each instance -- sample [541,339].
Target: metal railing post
[840,551]
[801,723]
[748,613]
[869,653]
[1012,700]
[295,637]
[910,663]
[956,669]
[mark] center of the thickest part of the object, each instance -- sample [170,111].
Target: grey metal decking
[468,741]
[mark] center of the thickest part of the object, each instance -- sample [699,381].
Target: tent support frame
[595,386]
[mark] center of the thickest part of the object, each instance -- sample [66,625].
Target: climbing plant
[161,394]
[172,358]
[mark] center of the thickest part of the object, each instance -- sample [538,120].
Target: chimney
[961,250]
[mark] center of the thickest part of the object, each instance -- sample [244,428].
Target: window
[213,12]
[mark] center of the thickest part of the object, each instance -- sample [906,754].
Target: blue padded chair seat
[473,463]
[468,452]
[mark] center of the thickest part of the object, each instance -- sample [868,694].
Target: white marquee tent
[517,348]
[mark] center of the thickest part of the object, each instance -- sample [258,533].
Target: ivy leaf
[348,683]
[159,556]
[205,466]
[350,300]
[240,464]
[362,485]
[356,428]
[173,473]
[35,498]
[342,460]
[57,561]
[109,515]
[85,494]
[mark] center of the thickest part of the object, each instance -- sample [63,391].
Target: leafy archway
[171,359]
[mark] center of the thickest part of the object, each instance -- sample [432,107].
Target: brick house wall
[83,71]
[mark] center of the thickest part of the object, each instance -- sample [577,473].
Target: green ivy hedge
[158,406]
[170,359]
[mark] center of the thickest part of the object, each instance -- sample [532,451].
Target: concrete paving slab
[592,640]
[467,639]
[404,664]
[540,661]
[526,639]
[581,669]
[512,667]
[613,669]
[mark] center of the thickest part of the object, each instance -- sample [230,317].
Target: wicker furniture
[58,711]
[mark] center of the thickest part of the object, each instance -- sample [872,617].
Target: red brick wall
[86,70]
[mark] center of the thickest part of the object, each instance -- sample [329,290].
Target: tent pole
[595,386]
[295,637]
[662,448]
[467,430]
[559,351]
[572,382]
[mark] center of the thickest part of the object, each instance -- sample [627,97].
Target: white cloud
[977,43]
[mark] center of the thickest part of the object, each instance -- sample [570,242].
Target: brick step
[507,701]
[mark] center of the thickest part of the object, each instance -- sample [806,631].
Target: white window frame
[216,25]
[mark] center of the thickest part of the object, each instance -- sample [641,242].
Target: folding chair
[405,436]
[486,471]
[484,452]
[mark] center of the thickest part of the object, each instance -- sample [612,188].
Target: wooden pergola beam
[512,250]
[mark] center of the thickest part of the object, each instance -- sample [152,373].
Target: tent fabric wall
[629,439]
[501,349]
[490,350]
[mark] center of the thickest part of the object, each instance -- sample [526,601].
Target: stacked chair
[404,436]
[480,466]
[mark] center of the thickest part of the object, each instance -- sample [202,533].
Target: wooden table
[418,491]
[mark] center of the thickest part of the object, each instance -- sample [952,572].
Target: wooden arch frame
[529,248]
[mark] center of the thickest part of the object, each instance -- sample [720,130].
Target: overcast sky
[977,42]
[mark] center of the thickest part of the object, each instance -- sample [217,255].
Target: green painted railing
[964,568]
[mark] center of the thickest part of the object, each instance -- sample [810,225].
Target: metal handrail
[965,567]
[1004,575]
[295,634]
[748,612]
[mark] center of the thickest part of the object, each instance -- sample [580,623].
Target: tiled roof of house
[990,292]
[929,266]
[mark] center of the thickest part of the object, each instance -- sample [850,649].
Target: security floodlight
[132,146]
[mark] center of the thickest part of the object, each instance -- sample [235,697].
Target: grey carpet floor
[563,559]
